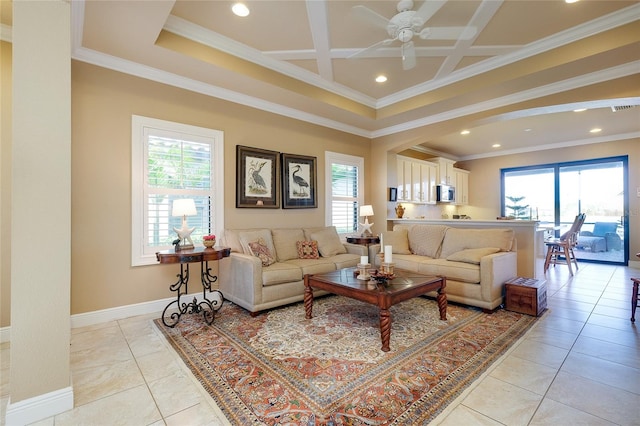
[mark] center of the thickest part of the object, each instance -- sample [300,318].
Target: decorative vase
[209,243]
[399,211]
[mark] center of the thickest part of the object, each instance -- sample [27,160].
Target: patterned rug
[279,368]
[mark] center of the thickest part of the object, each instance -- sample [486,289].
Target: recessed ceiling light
[579,110]
[381,78]
[528,130]
[465,132]
[595,130]
[496,145]
[240,9]
[571,1]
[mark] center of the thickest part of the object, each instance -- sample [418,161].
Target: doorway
[554,194]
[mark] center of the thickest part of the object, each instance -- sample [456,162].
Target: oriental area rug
[279,368]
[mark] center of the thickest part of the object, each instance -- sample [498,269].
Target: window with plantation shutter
[172,161]
[344,191]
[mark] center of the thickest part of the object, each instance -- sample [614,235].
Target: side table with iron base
[206,306]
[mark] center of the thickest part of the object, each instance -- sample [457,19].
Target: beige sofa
[476,262]
[266,268]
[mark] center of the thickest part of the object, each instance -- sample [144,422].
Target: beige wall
[103,102]
[485,173]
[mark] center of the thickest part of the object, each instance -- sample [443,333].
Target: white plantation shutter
[345,181]
[171,161]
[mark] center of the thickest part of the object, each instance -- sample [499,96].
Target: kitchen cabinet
[416,180]
[462,187]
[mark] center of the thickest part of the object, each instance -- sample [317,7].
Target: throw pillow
[472,255]
[307,249]
[248,236]
[426,240]
[260,250]
[397,239]
[329,243]
[284,240]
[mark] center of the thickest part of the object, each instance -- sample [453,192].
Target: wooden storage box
[526,295]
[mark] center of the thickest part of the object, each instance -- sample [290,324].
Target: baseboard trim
[113,314]
[40,407]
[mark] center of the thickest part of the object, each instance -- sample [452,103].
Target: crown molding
[567,144]
[608,22]
[217,41]
[143,71]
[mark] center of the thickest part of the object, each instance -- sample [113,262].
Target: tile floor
[580,364]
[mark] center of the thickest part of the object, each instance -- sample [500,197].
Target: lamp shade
[184,207]
[366,210]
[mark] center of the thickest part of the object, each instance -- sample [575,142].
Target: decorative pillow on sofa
[472,255]
[260,250]
[329,243]
[397,239]
[250,236]
[425,240]
[307,249]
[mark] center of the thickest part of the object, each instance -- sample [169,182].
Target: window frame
[140,250]
[344,159]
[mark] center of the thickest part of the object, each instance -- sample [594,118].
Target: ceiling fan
[408,23]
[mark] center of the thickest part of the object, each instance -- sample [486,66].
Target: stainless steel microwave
[445,194]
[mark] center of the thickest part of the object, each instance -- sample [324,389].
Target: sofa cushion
[345,260]
[284,240]
[231,239]
[472,255]
[313,266]
[458,239]
[425,240]
[398,240]
[329,243]
[307,249]
[456,271]
[280,272]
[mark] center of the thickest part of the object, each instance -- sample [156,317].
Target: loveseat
[604,237]
[476,262]
[266,267]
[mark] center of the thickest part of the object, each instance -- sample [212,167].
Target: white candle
[381,243]
[364,260]
[387,254]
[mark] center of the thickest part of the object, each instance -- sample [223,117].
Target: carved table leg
[442,304]
[308,298]
[385,328]
[634,298]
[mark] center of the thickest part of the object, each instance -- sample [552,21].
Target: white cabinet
[462,187]
[416,180]
[404,179]
[446,171]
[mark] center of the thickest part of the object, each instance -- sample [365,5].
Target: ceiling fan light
[240,9]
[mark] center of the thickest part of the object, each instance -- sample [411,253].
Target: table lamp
[184,207]
[366,211]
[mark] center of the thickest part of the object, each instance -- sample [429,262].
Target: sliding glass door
[555,193]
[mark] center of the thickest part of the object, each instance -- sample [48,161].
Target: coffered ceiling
[513,79]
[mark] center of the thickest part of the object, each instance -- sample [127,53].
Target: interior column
[41,211]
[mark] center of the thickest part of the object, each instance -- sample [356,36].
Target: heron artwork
[300,182]
[257,184]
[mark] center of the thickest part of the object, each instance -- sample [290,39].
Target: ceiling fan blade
[370,16]
[408,55]
[448,33]
[428,9]
[366,50]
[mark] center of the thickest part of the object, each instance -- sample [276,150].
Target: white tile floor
[580,365]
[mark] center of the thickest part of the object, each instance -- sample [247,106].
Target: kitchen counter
[529,239]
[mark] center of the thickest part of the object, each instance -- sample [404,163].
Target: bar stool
[634,296]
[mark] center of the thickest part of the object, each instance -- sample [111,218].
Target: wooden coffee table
[406,285]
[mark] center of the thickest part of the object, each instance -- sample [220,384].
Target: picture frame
[257,178]
[299,182]
[393,194]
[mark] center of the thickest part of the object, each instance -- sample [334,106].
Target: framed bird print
[258,172]
[299,186]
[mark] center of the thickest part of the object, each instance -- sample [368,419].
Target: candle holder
[387,268]
[380,257]
[363,271]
